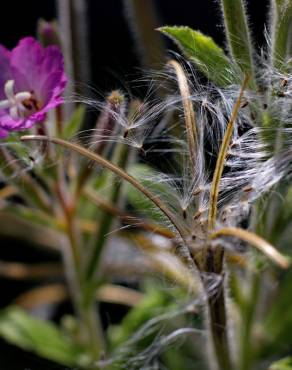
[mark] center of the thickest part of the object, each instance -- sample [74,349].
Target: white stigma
[14,101]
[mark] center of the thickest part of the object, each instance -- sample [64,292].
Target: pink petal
[5,70]
[52,87]
[3,133]
[30,59]
[36,69]
[26,58]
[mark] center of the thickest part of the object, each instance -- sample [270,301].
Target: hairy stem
[119,172]
[218,326]
[213,258]
[217,312]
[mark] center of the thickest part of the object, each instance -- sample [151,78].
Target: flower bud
[48,33]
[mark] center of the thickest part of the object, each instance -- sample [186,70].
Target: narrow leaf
[41,337]
[189,114]
[75,122]
[255,240]
[281,19]
[21,271]
[42,296]
[238,36]
[221,160]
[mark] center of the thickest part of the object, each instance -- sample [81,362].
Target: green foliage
[148,177]
[41,337]
[54,205]
[18,148]
[282,29]
[284,364]
[278,324]
[154,303]
[205,53]
[72,127]
[237,34]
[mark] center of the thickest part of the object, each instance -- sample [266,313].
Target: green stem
[217,310]
[91,332]
[121,154]
[248,315]
[218,328]
[92,327]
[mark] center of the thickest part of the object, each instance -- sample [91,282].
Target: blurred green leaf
[41,337]
[205,53]
[32,215]
[155,302]
[278,323]
[19,148]
[17,227]
[148,177]
[72,127]
[284,364]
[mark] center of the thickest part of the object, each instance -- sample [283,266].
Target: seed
[197,191]
[283,82]
[247,188]
[197,214]
[244,104]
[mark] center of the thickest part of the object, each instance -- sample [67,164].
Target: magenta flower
[32,80]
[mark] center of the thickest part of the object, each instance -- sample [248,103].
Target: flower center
[21,104]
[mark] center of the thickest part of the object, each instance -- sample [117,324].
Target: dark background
[111,43]
[114,60]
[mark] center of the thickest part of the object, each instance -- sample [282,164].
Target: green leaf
[277,325]
[281,33]
[284,364]
[205,53]
[149,178]
[155,302]
[35,335]
[20,227]
[238,35]
[32,215]
[18,148]
[72,127]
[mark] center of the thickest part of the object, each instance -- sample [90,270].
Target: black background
[111,43]
[113,59]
